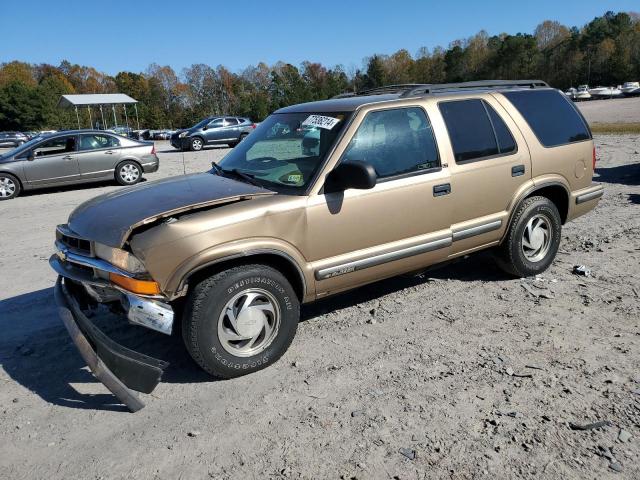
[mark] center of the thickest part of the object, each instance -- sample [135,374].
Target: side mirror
[205,127]
[31,155]
[353,174]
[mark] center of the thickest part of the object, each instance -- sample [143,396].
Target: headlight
[183,134]
[119,258]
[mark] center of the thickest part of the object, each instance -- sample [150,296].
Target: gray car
[12,139]
[71,157]
[213,131]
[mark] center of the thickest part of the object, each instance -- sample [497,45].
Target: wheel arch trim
[253,252]
[525,193]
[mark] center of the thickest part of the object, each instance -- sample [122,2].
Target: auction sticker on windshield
[321,121]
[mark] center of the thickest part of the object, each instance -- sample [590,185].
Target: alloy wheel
[7,187]
[249,322]
[129,173]
[536,238]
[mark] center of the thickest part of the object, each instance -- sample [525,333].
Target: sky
[114,36]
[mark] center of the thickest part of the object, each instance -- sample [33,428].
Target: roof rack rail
[415,89]
[482,84]
[399,88]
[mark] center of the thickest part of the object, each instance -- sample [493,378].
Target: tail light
[253,125]
[594,158]
[153,151]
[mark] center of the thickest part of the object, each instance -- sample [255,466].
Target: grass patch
[615,128]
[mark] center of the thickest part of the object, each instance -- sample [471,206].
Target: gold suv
[321,198]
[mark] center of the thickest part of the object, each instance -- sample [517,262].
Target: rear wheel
[9,186]
[533,238]
[240,320]
[197,144]
[128,173]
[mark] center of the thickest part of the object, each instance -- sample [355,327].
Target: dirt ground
[459,373]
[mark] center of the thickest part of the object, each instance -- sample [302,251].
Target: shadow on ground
[628,174]
[71,188]
[39,355]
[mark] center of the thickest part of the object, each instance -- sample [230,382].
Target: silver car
[70,157]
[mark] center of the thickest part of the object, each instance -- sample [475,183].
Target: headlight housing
[120,258]
[183,134]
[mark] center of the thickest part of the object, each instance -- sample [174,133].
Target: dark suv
[213,131]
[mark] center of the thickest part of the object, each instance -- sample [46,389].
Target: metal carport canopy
[95,99]
[100,99]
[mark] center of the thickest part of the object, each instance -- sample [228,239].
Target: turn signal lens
[144,287]
[594,158]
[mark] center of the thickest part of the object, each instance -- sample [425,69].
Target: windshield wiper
[247,177]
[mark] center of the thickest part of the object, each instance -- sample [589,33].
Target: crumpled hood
[110,218]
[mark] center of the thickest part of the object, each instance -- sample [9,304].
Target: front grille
[75,244]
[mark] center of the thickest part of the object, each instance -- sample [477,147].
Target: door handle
[67,157]
[109,152]
[443,189]
[517,170]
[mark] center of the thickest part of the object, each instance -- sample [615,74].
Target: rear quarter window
[553,119]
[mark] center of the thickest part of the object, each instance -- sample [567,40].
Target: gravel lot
[459,373]
[616,110]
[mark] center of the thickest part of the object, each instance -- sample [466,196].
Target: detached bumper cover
[123,371]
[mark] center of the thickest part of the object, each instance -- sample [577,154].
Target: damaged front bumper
[123,371]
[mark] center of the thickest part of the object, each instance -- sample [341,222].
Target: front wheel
[240,320]
[197,144]
[128,173]
[533,238]
[9,186]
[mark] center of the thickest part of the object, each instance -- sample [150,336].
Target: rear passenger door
[98,155]
[231,128]
[489,162]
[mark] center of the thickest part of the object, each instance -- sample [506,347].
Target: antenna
[184,165]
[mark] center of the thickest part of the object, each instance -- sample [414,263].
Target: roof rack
[416,89]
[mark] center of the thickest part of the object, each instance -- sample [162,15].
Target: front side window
[56,146]
[216,123]
[476,130]
[97,141]
[286,150]
[553,118]
[395,142]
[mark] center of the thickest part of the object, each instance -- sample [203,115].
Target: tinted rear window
[552,118]
[469,129]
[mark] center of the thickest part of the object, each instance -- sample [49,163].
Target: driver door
[54,162]
[402,224]
[214,131]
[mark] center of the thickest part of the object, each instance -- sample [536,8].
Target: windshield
[286,150]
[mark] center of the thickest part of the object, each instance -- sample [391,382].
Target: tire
[128,173]
[533,238]
[196,144]
[9,186]
[268,303]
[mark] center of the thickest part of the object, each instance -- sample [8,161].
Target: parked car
[12,139]
[402,178]
[161,135]
[121,130]
[75,157]
[213,131]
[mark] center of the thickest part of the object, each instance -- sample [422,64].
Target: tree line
[605,51]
